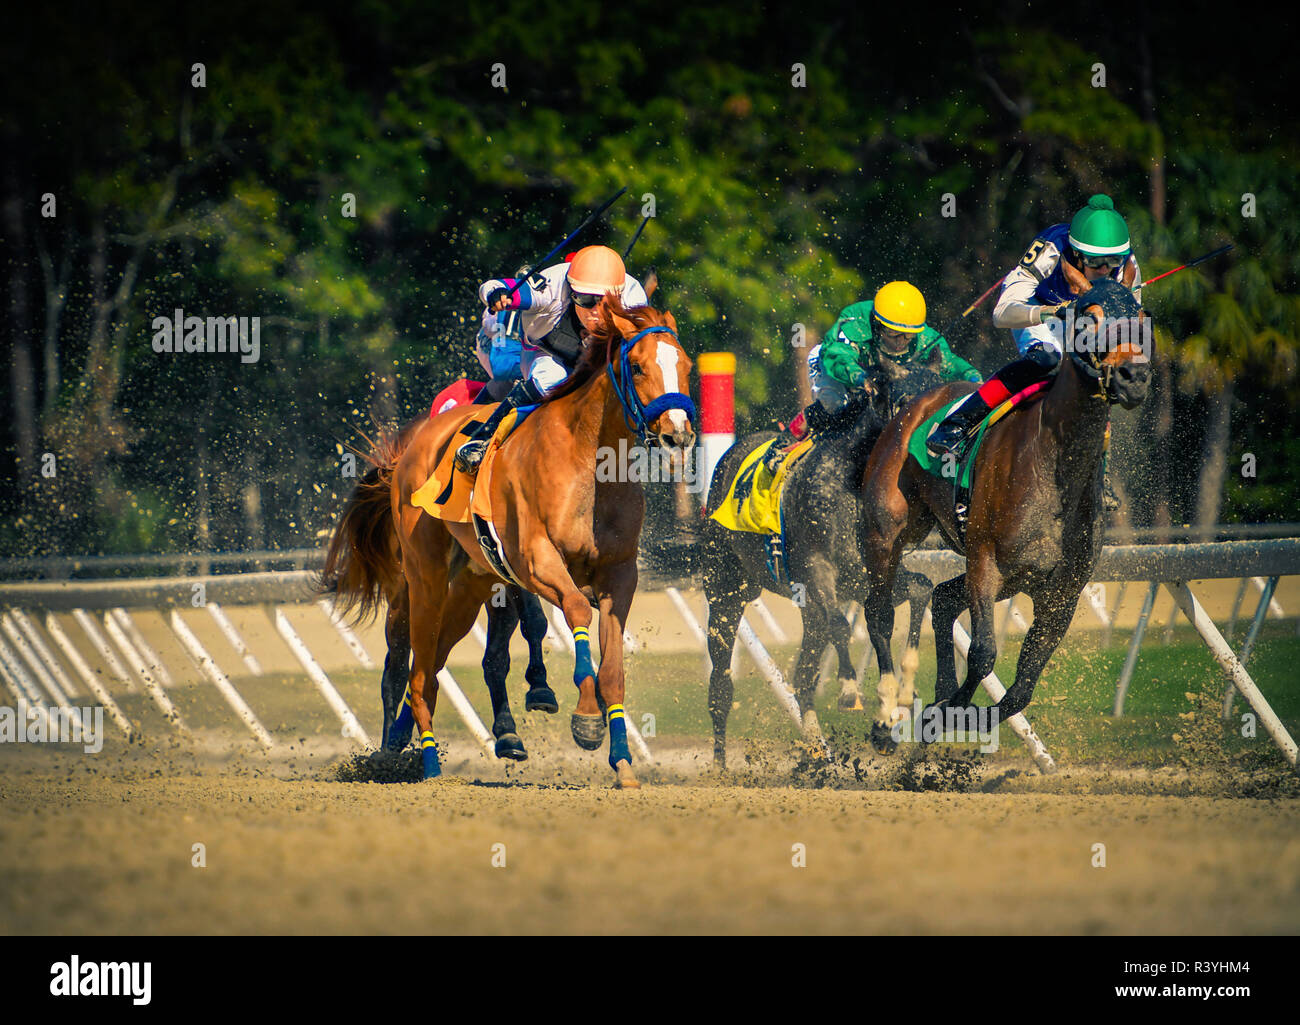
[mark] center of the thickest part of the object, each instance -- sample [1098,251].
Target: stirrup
[948,440]
[1110,500]
[470,455]
[775,552]
[773,456]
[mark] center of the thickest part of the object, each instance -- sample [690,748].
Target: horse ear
[1076,279]
[625,326]
[671,321]
[1130,272]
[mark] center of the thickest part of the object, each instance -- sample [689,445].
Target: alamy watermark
[77,978]
[948,725]
[641,464]
[1082,334]
[38,724]
[179,333]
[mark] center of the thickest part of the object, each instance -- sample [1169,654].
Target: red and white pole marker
[717,412]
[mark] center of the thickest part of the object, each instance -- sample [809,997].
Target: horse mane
[604,341]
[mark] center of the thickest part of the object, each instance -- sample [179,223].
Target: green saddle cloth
[934,465]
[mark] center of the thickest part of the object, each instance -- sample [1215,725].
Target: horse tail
[363,562]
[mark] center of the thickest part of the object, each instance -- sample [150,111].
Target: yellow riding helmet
[901,306]
[596,270]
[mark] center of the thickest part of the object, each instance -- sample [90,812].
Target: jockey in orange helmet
[559,308]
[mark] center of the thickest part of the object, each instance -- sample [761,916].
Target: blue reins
[638,416]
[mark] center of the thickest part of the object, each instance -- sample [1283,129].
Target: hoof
[882,739]
[541,699]
[626,781]
[850,701]
[510,746]
[588,731]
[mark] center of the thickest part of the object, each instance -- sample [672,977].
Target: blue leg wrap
[582,655]
[618,749]
[399,734]
[429,752]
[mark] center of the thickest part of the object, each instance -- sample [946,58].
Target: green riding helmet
[1097,230]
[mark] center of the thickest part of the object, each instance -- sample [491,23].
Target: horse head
[649,370]
[895,384]
[1112,342]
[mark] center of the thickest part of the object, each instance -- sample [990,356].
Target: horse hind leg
[850,697]
[915,589]
[502,619]
[423,689]
[949,600]
[398,718]
[532,624]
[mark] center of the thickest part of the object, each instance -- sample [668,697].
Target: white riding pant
[1037,334]
[541,368]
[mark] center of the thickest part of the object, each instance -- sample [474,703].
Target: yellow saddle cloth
[449,494]
[753,501]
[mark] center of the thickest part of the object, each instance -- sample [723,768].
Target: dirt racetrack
[1200,835]
[110,851]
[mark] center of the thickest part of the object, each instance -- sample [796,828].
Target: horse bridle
[1099,375]
[639,417]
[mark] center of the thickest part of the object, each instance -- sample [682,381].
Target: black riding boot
[471,453]
[956,430]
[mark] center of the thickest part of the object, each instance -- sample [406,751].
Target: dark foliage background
[775,205]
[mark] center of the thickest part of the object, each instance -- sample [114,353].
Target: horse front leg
[532,624]
[983,582]
[949,601]
[726,591]
[616,590]
[822,585]
[1053,613]
[816,635]
[548,575]
[502,618]
[878,609]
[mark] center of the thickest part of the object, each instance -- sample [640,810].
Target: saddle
[963,473]
[753,501]
[455,497]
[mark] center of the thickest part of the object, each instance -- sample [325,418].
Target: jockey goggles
[1098,262]
[586,300]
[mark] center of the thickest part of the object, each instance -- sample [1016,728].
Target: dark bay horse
[823,510]
[561,531]
[362,567]
[1035,524]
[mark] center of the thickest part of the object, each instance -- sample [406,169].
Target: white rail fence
[31,667]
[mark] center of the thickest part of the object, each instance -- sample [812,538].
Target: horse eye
[636,370]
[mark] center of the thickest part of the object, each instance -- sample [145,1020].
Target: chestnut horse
[564,533]
[1035,523]
[362,566]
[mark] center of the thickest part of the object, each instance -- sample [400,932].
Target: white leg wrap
[908,666]
[887,692]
